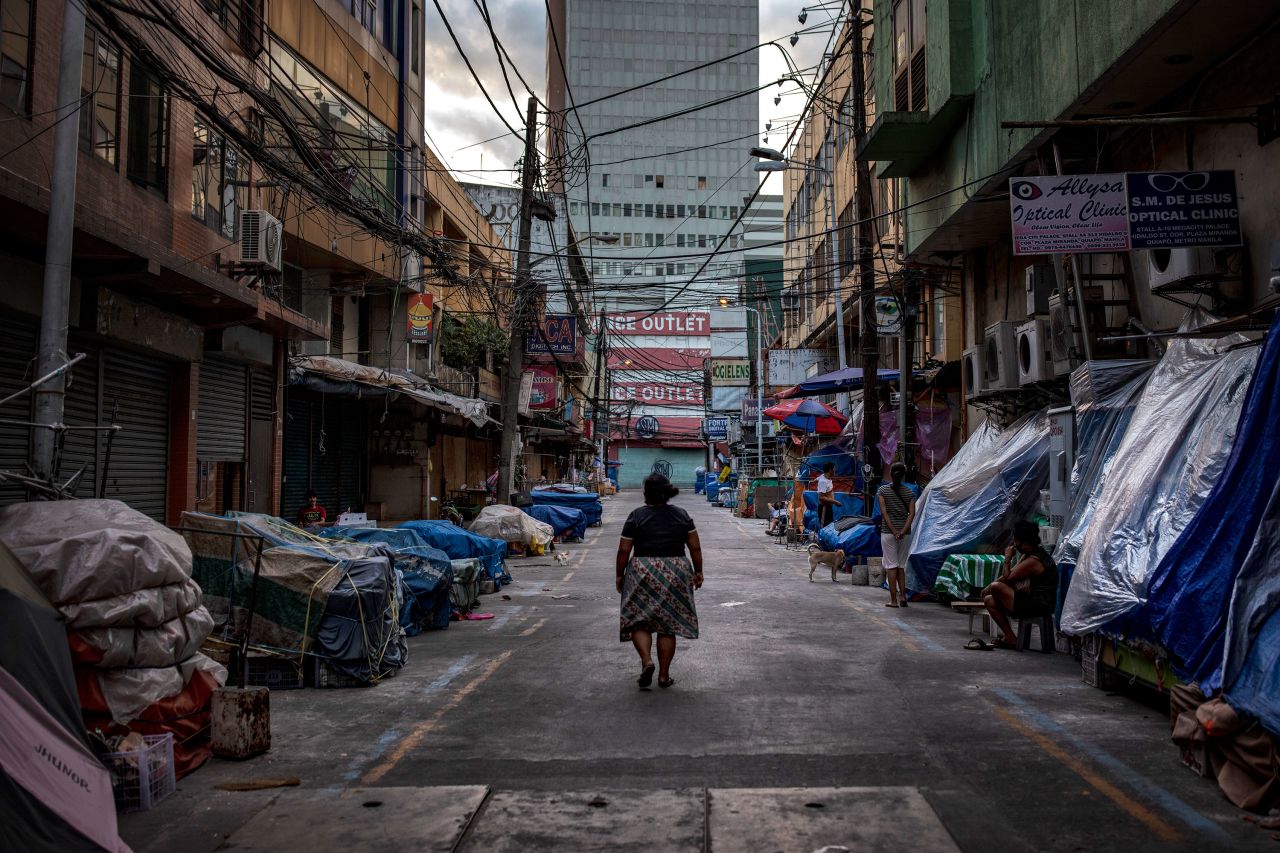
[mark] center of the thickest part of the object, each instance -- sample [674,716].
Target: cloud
[457,114]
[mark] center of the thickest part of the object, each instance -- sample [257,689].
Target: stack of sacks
[134,616]
[513,526]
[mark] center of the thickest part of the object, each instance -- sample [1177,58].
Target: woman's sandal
[977,644]
[646,676]
[665,684]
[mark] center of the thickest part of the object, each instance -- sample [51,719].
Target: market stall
[571,496]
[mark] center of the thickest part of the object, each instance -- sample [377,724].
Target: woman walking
[657,580]
[897,512]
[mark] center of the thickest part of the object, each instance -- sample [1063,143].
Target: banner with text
[658,393]
[661,323]
[1173,210]
[558,336]
[730,372]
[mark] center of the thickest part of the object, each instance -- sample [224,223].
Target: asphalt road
[807,714]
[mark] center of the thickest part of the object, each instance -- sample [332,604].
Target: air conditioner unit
[971,366]
[261,240]
[1169,267]
[1040,282]
[1000,359]
[1034,362]
[1064,341]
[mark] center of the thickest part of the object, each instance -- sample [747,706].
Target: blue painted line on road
[450,674]
[385,742]
[1166,800]
[505,617]
[918,635]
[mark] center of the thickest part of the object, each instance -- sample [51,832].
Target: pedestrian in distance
[826,496]
[657,580]
[1028,585]
[897,513]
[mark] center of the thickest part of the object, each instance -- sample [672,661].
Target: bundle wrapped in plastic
[425,574]
[512,525]
[1176,444]
[994,479]
[134,615]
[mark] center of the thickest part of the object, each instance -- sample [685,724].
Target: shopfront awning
[328,375]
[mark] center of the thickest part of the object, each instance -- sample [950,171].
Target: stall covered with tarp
[1159,477]
[333,599]
[511,525]
[135,622]
[460,544]
[847,503]
[1104,395]
[1191,589]
[564,520]
[994,479]
[856,535]
[587,502]
[839,453]
[424,573]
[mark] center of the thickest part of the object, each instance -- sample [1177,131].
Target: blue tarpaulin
[846,504]
[460,544]
[425,574]
[838,452]
[587,502]
[993,480]
[564,520]
[1190,589]
[861,540]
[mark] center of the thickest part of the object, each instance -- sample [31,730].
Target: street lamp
[775,161]
[726,302]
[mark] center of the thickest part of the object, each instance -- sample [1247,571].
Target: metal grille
[902,91]
[223,400]
[138,473]
[17,368]
[919,84]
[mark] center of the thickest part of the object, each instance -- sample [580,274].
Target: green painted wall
[637,463]
[1020,59]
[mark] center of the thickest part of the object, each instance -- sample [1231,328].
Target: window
[702,182]
[147,159]
[100,91]
[671,211]
[680,210]
[702,211]
[219,180]
[910,84]
[659,239]
[15,55]
[626,239]
[679,241]
[626,209]
[617,209]
[573,207]
[604,180]
[648,211]
[415,37]
[659,180]
[417,184]
[595,208]
[648,240]
[648,179]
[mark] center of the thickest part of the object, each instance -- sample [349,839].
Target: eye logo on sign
[647,427]
[1025,190]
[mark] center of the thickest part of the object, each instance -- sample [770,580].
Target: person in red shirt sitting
[311,513]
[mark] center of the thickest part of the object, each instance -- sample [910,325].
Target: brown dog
[835,559]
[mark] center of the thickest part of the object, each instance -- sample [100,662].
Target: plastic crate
[142,777]
[274,673]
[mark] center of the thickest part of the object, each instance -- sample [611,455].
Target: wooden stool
[972,609]
[1048,637]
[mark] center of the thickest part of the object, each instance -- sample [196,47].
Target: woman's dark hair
[1026,531]
[828,468]
[897,472]
[658,489]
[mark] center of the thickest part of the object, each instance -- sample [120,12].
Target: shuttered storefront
[220,431]
[324,451]
[132,385]
[17,349]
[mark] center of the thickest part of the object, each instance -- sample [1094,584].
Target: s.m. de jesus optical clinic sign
[1122,211]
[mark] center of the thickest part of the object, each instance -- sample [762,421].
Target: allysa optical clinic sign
[1124,210]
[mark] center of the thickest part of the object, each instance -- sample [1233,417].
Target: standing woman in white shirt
[826,496]
[897,512]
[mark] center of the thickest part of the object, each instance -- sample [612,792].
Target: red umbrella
[808,416]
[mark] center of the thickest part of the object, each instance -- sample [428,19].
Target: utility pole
[872,465]
[595,405]
[56,299]
[522,303]
[906,400]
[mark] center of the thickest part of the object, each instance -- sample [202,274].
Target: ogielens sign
[730,371]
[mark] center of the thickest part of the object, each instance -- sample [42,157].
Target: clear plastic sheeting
[1104,395]
[993,480]
[1175,447]
[511,525]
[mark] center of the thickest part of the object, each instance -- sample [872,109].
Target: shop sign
[420,326]
[1069,213]
[557,336]
[728,398]
[647,427]
[730,372]
[659,393]
[749,408]
[1172,210]
[542,393]
[660,323]
[716,429]
[888,315]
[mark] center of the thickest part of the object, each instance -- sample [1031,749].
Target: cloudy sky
[457,115]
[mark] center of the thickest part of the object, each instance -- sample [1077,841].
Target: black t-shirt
[658,531]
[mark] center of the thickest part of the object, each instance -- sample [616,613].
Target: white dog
[835,559]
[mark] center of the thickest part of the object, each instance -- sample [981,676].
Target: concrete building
[667,174]
[251,186]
